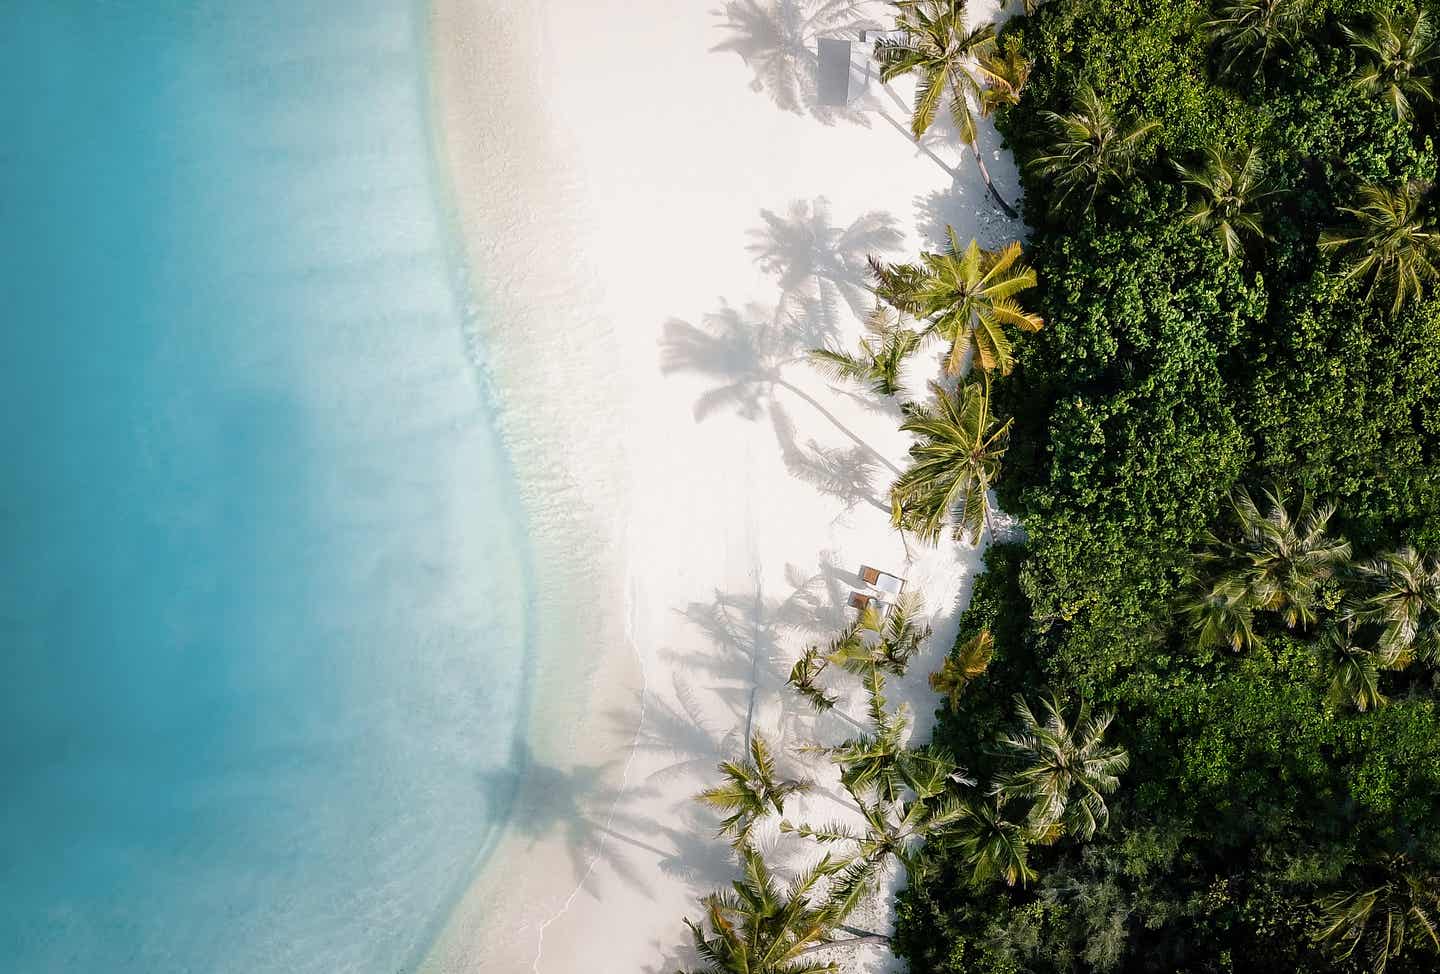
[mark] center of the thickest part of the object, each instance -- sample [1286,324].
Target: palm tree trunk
[985,174]
[856,931]
[974,150]
[909,136]
[848,719]
[870,938]
[835,421]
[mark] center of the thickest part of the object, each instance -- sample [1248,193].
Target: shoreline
[626,248]
[567,597]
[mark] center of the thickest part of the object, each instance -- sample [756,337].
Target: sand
[660,221]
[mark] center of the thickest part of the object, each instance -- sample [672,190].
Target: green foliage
[1182,363]
[965,295]
[955,460]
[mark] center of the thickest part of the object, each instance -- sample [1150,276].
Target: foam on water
[265,588]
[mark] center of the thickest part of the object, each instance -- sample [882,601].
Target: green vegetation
[1224,453]
[967,297]
[956,460]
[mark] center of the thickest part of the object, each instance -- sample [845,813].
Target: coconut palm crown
[880,360]
[968,297]
[1089,150]
[1401,594]
[1280,559]
[872,642]
[1390,241]
[1353,668]
[1249,33]
[760,926]
[1006,72]
[750,792]
[1398,907]
[954,461]
[1396,58]
[963,667]
[994,844]
[1064,771]
[1219,611]
[1224,194]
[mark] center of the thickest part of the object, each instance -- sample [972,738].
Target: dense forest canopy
[1233,230]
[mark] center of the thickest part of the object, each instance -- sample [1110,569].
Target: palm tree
[955,460]
[1396,59]
[750,792]
[1005,73]
[1389,241]
[1354,669]
[968,297]
[880,359]
[1227,189]
[870,762]
[1383,918]
[891,830]
[1248,33]
[762,927]
[995,846]
[936,45]
[1403,596]
[1281,560]
[1089,150]
[872,642]
[963,667]
[1064,772]
[1220,612]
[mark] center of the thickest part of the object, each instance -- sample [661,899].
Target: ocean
[266,585]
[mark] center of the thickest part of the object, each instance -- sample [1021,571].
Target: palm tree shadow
[815,260]
[579,807]
[684,732]
[966,206]
[744,351]
[777,41]
[847,474]
[747,354]
[747,633]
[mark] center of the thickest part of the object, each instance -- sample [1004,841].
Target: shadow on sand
[816,260]
[777,41]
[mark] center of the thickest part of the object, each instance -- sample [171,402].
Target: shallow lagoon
[265,583]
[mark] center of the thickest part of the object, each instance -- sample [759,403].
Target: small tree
[1389,241]
[1396,58]
[1064,772]
[1089,149]
[954,461]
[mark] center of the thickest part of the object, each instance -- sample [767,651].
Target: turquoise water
[264,593]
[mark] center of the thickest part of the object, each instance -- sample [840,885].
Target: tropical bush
[1224,450]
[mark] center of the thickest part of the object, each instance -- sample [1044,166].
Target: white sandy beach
[658,230]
